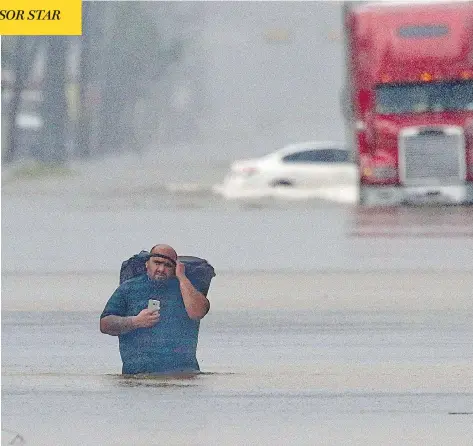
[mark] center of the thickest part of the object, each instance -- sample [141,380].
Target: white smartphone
[153,305]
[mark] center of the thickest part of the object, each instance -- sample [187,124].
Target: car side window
[341,156]
[318,156]
[292,158]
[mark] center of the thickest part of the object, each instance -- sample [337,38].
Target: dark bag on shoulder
[197,270]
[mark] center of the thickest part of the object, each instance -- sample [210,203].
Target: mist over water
[103,214]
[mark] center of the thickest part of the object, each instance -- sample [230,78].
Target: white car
[314,169]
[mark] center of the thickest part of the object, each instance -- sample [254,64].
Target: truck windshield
[425,97]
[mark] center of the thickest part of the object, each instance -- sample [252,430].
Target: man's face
[159,268]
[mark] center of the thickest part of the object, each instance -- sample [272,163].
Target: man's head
[162,262]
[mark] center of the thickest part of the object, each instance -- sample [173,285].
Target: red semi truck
[409,101]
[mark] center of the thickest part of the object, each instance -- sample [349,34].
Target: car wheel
[282,182]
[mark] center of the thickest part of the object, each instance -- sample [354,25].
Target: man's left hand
[180,270]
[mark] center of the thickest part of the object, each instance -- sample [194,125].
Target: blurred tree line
[83,88]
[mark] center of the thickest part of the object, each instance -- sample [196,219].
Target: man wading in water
[162,340]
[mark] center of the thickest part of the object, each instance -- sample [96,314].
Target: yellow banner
[41,17]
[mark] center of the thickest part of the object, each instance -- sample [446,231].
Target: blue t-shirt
[170,345]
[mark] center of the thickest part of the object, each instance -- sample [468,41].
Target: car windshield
[318,156]
[425,97]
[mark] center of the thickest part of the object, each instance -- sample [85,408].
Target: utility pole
[14,103]
[54,102]
[85,78]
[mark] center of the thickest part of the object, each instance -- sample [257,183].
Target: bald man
[162,340]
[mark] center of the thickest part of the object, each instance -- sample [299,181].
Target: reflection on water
[165,380]
[171,380]
[426,221]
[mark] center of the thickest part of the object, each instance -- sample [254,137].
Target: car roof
[310,145]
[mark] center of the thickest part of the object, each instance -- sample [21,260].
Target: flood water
[270,377]
[329,324]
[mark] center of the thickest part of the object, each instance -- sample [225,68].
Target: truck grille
[433,156]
